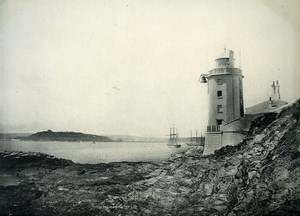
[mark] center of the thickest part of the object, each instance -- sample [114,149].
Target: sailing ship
[196,141]
[173,140]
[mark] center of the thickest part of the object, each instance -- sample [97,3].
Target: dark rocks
[13,160]
[81,172]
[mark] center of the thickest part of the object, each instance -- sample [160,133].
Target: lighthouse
[226,103]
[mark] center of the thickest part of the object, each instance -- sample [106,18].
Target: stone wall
[217,140]
[213,141]
[232,138]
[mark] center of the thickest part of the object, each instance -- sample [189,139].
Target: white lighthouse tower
[225,89]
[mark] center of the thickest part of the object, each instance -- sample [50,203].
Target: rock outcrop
[260,176]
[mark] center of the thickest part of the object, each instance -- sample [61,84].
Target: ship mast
[173,132]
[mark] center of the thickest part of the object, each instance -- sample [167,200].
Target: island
[50,135]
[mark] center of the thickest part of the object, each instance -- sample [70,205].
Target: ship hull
[193,144]
[174,145]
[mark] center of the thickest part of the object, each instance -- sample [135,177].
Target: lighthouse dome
[225,59]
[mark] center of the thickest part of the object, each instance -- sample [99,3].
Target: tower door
[219,121]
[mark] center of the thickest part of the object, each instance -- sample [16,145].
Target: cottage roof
[244,123]
[266,106]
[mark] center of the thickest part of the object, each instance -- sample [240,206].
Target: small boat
[173,140]
[196,141]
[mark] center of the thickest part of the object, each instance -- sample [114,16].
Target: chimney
[273,88]
[277,89]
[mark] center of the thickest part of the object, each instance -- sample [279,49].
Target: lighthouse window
[219,94]
[220,109]
[219,121]
[219,81]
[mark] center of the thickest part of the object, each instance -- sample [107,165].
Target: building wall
[213,141]
[217,140]
[241,124]
[213,87]
[231,100]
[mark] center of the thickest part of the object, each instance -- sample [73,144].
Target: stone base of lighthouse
[219,139]
[213,141]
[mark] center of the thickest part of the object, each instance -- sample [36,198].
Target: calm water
[88,152]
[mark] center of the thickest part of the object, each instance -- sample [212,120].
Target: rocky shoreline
[45,185]
[260,176]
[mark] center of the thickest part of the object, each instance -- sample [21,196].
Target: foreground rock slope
[260,176]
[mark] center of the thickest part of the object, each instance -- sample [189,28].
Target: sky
[132,67]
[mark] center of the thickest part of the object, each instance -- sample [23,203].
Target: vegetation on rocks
[260,176]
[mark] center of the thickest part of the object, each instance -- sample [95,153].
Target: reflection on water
[87,152]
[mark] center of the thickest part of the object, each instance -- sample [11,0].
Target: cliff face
[260,176]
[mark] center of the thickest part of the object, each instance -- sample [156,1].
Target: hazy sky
[131,67]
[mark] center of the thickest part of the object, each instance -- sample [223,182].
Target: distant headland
[71,136]
[50,135]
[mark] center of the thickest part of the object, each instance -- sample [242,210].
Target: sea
[99,152]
